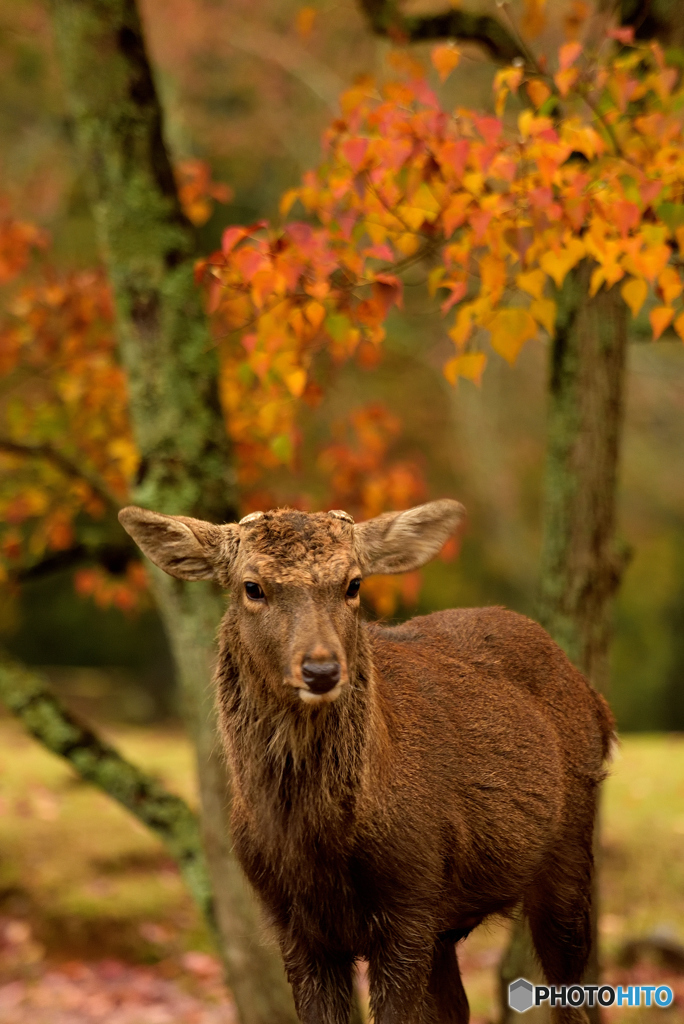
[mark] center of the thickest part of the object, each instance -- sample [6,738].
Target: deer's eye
[354,587]
[254,591]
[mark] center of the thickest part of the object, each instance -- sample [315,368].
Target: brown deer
[393,787]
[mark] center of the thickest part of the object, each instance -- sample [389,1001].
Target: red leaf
[455,155]
[458,292]
[354,152]
[230,238]
[490,129]
[623,35]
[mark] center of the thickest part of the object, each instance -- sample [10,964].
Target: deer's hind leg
[558,908]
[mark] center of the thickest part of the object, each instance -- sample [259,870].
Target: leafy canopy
[503,206]
[584,162]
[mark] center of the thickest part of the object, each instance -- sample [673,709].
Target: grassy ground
[84,888]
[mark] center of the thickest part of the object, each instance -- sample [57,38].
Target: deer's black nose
[321,676]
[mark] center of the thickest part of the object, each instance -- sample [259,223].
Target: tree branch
[64,464]
[385,19]
[28,696]
[253,38]
[112,557]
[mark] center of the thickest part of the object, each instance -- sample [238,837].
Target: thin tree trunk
[580,564]
[186,465]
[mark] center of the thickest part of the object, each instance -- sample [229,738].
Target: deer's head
[294,578]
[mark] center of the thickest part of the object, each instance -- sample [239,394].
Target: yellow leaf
[532,282]
[660,318]
[296,382]
[557,264]
[544,312]
[445,58]
[304,22]
[424,200]
[634,293]
[288,201]
[470,365]
[463,327]
[598,276]
[474,182]
[538,92]
[679,325]
[492,275]
[126,454]
[407,244]
[411,216]
[510,329]
[435,279]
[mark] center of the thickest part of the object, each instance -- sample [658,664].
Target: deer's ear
[403,541]
[186,548]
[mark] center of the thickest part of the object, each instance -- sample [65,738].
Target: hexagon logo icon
[520,995]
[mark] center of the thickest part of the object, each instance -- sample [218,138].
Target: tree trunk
[186,465]
[580,564]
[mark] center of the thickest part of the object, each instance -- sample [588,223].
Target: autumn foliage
[502,206]
[582,161]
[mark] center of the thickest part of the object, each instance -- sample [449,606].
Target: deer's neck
[290,759]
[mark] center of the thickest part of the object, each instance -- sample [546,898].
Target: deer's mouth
[311,697]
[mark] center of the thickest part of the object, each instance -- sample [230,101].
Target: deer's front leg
[399,975]
[322,983]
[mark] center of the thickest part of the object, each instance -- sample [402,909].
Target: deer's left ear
[403,541]
[186,548]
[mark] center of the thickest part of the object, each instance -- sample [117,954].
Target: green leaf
[671,214]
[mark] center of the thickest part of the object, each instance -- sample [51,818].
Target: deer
[394,786]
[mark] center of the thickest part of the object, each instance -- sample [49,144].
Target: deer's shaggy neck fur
[297,768]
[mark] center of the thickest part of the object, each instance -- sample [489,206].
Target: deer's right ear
[186,548]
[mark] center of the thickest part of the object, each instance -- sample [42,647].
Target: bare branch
[385,19]
[64,464]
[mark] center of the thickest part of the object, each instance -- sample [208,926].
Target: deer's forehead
[298,549]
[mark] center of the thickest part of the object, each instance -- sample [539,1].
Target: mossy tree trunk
[186,465]
[581,564]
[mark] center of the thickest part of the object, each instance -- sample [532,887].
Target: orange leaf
[304,22]
[445,58]
[679,325]
[660,318]
[533,21]
[510,329]
[314,313]
[296,382]
[568,54]
[538,92]
[670,284]
[566,79]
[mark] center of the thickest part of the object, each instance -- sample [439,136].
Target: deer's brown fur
[451,775]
